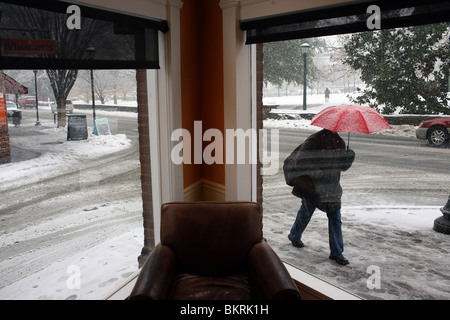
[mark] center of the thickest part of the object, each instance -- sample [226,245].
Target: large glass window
[71,212]
[72,184]
[397,185]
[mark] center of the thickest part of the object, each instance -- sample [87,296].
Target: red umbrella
[350,118]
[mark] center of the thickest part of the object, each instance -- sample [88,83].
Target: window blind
[52,35]
[342,19]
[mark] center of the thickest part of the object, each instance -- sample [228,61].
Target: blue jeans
[304,215]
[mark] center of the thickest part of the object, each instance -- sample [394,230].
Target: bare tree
[44,25]
[109,83]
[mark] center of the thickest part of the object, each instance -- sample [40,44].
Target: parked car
[10,108]
[27,102]
[13,113]
[436,131]
[69,107]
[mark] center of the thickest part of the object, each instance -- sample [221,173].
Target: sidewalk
[410,259]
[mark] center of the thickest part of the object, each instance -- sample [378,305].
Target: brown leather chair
[213,251]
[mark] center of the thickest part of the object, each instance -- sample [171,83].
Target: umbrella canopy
[350,118]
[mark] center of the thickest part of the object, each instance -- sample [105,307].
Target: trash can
[17,117]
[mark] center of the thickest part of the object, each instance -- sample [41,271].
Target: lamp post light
[305,48]
[91,53]
[36,89]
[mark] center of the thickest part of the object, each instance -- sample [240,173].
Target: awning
[13,87]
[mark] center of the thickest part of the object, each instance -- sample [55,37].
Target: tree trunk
[62,82]
[61,110]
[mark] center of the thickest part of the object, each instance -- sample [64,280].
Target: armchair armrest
[271,277]
[155,278]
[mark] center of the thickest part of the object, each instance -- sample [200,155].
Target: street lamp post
[93,97]
[305,48]
[91,53]
[36,89]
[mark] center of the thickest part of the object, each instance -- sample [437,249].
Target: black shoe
[295,243]
[340,260]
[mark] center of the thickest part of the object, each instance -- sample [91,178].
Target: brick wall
[5,151]
[144,157]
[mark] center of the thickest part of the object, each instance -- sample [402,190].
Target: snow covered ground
[98,270]
[394,253]
[292,105]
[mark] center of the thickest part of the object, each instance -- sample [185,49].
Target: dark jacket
[314,169]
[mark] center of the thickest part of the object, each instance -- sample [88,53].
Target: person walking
[314,170]
[327,95]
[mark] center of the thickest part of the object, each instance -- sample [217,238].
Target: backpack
[305,163]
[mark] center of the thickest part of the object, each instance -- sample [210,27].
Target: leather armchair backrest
[211,238]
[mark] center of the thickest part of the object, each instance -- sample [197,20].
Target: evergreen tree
[283,61]
[405,69]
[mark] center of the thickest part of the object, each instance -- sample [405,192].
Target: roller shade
[50,35]
[344,19]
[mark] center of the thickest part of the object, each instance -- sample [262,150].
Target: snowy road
[403,170]
[57,205]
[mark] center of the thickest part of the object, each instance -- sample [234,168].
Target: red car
[436,131]
[27,102]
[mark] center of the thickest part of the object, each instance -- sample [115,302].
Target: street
[397,169]
[95,199]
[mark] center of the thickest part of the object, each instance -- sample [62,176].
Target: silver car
[69,107]
[10,108]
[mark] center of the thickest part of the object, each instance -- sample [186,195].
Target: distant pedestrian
[314,170]
[327,95]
